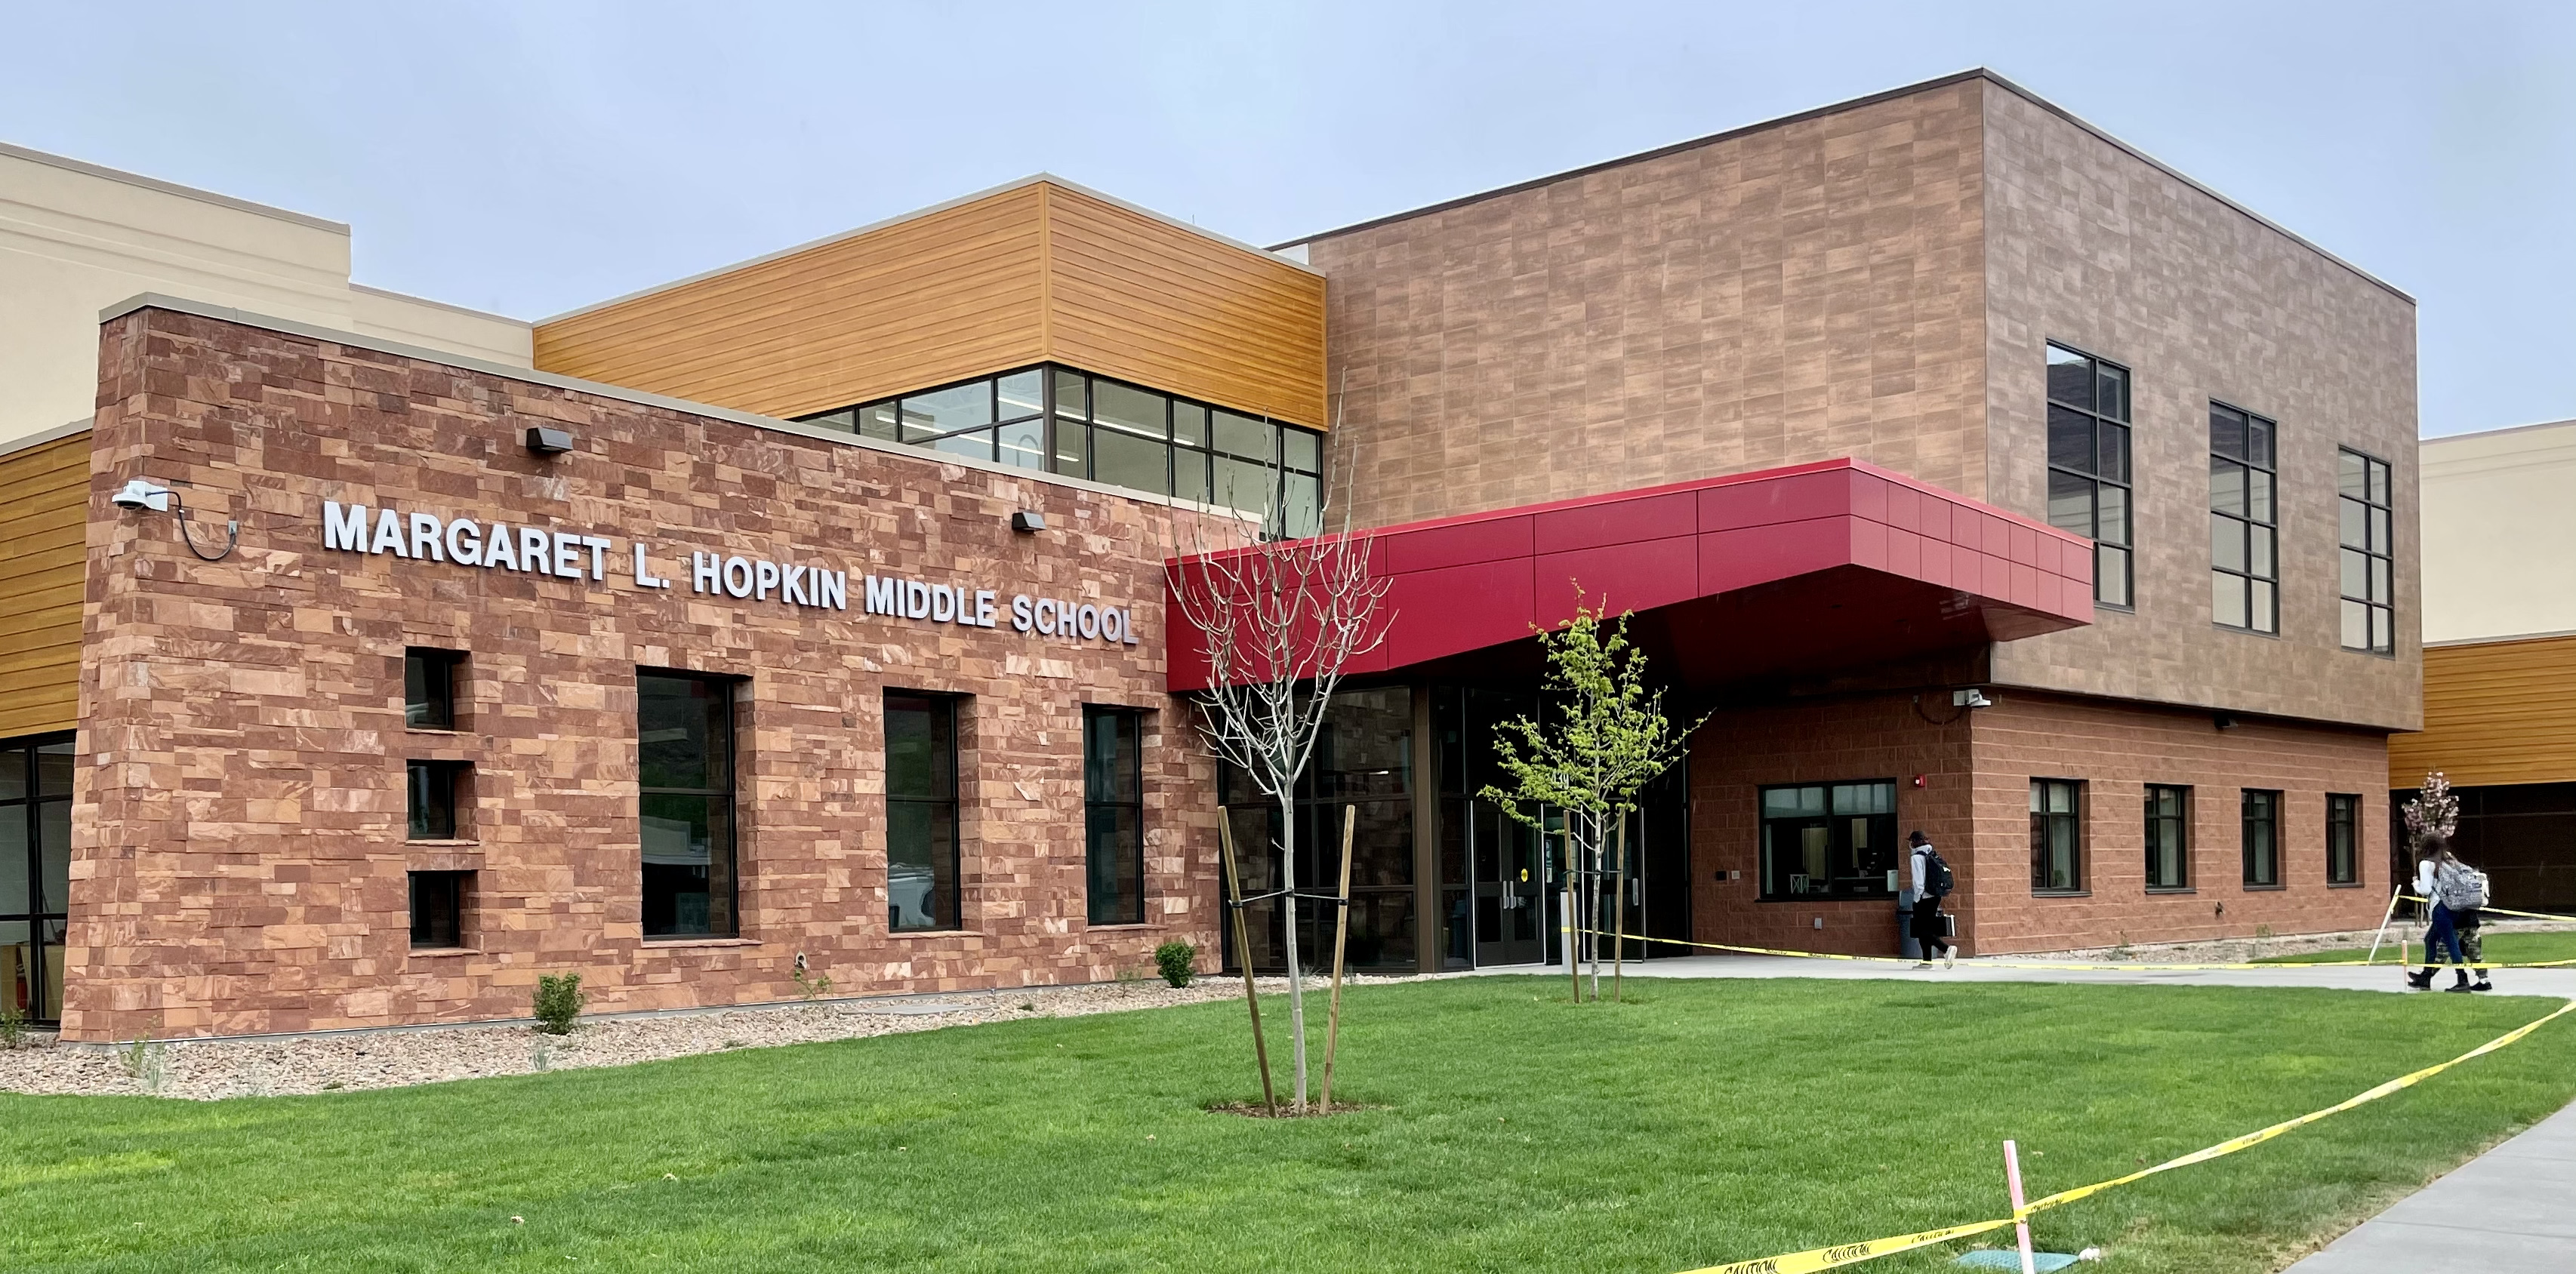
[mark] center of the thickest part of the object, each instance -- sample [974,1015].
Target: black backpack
[1941,880]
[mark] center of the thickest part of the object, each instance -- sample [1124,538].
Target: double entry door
[1511,873]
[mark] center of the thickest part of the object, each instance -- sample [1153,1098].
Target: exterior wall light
[152,497]
[1028,521]
[549,442]
[1970,699]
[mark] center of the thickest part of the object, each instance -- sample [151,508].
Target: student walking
[2458,892]
[1932,883]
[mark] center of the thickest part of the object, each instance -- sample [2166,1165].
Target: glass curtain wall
[35,874]
[1066,421]
[1363,761]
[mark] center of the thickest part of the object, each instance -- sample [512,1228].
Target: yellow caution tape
[2006,962]
[2497,911]
[1825,1258]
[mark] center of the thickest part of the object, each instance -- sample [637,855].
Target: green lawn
[2502,948]
[1715,1121]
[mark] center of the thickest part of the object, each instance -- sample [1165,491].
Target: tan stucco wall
[2091,245]
[2499,541]
[76,238]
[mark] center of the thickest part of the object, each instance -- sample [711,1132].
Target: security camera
[1970,699]
[139,494]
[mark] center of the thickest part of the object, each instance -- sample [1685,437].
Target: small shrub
[13,1027]
[145,1062]
[811,985]
[559,1001]
[1178,962]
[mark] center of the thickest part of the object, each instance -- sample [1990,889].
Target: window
[429,688]
[1085,426]
[35,873]
[438,909]
[684,768]
[2244,540]
[1830,840]
[2088,463]
[2056,836]
[2168,837]
[1113,807]
[921,811]
[434,788]
[2343,839]
[2262,839]
[2369,601]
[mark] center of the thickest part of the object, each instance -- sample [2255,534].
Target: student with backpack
[2458,892]
[1932,883]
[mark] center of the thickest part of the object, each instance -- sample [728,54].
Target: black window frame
[436,800]
[2044,826]
[2253,528]
[946,899]
[2106,423]
[1113,840]
[437,896]
[718,804]
[2258,832]
[429,688]
[2374,559]
[2343,840]
[47,918]
[1069,413]
[2177,823]
[1771,882]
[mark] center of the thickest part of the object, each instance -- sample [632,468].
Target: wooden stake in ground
[2021,1224]
[1243,953]
[2382,932]
[1619,910]
[1341,935]
[1573,971]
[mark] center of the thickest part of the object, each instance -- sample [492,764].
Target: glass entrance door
[1510,903]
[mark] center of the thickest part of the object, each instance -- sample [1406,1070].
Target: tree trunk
[1296,964]
[1619,911]
[1243,953]
[1592,904]
[1341,936]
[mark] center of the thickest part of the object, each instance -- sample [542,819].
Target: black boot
[2462,984]
[2420,981]
[2482,984]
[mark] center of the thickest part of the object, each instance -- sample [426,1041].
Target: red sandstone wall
[239,861]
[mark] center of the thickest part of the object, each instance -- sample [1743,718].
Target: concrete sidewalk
[2511,1210]
[2555,983]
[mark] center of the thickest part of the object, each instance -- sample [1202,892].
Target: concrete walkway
[2511,1210]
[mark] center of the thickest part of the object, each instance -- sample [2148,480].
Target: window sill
[667,944]
[2171,889]
[446,951]
[446,844]
[934,933]
[448,731]
[2061,893]
[1123,926]
[2265,889]
[1810,900]
[2348,884]
[2244,632]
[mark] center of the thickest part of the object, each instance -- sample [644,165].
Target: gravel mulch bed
[206,1070]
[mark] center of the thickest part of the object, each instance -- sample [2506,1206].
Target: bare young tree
[1278,621]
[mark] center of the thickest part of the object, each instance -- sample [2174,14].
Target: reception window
[685,805]
[2056,836]
[2244,536]
[1830,840]
[2368,586]
[1113,807]
[35,873]
[1071,422]
[2262,839]
[2168,838]
[2343,839]
[921,812]
[2088,463]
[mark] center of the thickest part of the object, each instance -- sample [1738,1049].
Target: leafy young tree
[2434,811]
[1606,738]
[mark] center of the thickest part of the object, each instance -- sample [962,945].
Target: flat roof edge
[916,214]
[43,436]
[2494,433]
[69,164]
[1836,108]
[449,306]
[444,358]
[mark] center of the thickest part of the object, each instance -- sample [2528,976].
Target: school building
[1972,470]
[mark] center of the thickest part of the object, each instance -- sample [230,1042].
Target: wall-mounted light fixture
[139,493]
[1970,699]
[549,442]
[2223,720]
[1028,521]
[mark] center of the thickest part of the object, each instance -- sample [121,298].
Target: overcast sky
[532,157]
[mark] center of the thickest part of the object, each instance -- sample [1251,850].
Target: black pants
[1927,926]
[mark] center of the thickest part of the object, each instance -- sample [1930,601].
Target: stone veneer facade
[239,846]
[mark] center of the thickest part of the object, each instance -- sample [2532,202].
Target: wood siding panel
[2494,712]
[1136,298]
[44,504]
[1033,273]
[942,297]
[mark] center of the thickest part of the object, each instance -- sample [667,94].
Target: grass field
[2501,948]
[1713,1121]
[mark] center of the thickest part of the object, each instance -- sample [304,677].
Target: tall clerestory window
[2369,602]
[2244,522]
[2088,463]
[685,793]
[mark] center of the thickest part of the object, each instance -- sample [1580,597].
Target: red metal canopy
[1787,571]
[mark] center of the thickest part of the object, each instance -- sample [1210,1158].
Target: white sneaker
[1925,965]
[1949,957]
